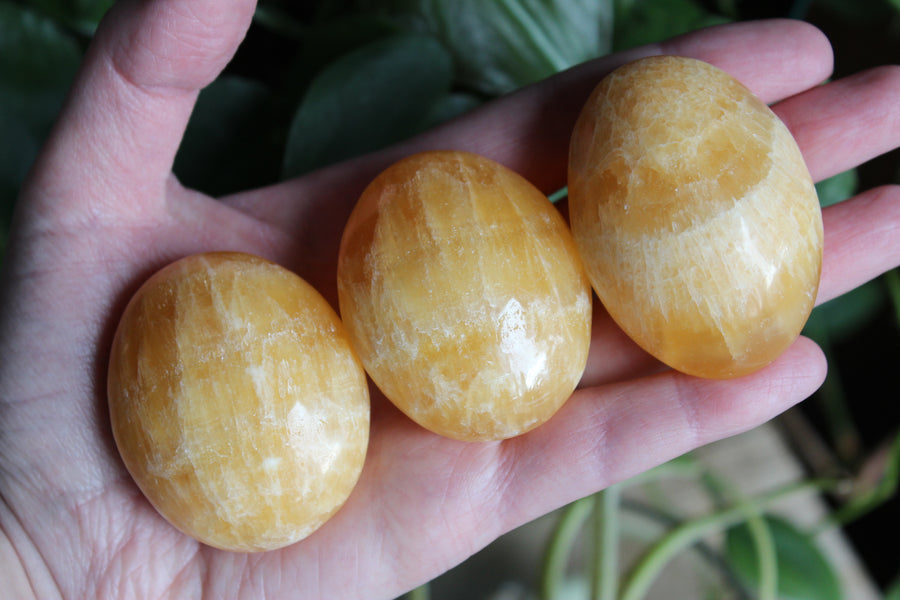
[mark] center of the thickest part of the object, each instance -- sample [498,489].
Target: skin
[101,211]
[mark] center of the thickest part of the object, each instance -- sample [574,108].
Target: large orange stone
[464,296]
[236,401]
[695,215]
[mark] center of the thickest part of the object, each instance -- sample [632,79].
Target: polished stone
[236,401]
[464,296]
[695,216]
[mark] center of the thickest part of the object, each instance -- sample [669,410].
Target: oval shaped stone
[695,216]
[237,402]
[464,296]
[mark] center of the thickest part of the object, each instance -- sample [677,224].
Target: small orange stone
[237,402]
[464,296]
[695,215]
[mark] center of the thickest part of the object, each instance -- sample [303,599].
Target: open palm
[102,211]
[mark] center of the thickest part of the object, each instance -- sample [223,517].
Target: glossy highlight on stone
[695,215]
[237,402]
[464,296]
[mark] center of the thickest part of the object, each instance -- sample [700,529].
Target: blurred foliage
[646,21]
[319,82]
[374,96]
[795,552]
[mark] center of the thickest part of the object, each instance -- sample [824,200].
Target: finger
[117,135]
[609,433]
[862,240]
[843,124]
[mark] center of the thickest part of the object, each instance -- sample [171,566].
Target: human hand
[101,211]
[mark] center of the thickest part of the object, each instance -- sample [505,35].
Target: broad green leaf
[328,41]
[448,107]
[501,45]
[37,65]
[227,146]
[81,15]
[368,99]
[36,57]
[841,317]
[639,22]
[837,188]
[804,572]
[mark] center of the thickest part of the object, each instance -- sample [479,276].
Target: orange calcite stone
[464,296]
[695,215]
[237,402]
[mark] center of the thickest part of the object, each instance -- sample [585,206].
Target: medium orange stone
[464,296]
[237,402]
[695,215]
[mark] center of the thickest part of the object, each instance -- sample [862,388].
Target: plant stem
[765,555]
[559,194]
[651,564]
[560,547]
[760,533]
[574,516]
[710,555]
[605,574]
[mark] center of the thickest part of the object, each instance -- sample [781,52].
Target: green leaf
[501,45]
[326,42]
[227,146]
[36,57]
[374,96]
[838,187]
[448,107]
[639,22]
[37,64]
[81,15]
[841,317]
[804,573]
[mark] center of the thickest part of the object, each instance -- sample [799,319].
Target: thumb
[112,149]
